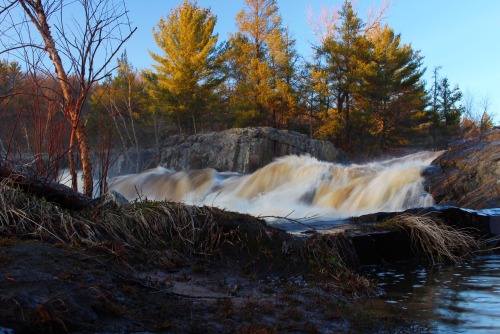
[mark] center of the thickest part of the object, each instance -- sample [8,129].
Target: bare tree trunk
[132,124]
[179,122]
[84,151]
[72,162]
[194,124]
[73,112]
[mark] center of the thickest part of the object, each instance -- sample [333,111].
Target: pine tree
[187,72]
[10,77]
[450,111]
[345,51]
[434,112]
[392,91]
[445,113]
[262,62]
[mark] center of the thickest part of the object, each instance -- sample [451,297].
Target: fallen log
[26,178]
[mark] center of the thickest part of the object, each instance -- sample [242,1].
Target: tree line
[363,89]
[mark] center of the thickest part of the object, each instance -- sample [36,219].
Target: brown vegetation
[232,270]
[430,237]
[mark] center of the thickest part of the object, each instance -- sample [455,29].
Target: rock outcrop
[468,173]
[128,162]
[241,150]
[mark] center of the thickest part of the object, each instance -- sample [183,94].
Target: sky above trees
[460,36]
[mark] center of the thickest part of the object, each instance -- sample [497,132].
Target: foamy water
[296,187]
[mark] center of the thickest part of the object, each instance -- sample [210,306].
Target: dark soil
[47,287]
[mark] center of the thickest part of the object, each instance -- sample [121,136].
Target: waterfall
[296,187]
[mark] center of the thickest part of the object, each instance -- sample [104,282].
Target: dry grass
[439,242]
[162,231]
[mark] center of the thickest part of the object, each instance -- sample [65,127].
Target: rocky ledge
[468,173]
[242,150]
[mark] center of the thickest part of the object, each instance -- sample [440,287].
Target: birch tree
[80,38]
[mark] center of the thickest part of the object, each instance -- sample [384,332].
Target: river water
[462,298]
[298,187]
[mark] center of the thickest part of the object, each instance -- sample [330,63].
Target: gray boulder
[120,162]
[468,173]
[241,150]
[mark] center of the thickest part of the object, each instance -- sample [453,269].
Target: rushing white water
[294,186]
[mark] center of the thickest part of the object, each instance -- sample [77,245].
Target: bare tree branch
[7,6]
[80,47]
[323,26]
[376,16]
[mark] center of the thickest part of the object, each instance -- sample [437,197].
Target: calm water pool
[461,298]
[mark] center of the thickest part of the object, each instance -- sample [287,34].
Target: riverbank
[167,267]
[158,266]
[59,288]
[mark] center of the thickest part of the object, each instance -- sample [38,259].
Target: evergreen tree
[392,91]
[346,52]
[449,97]
[262,62]
[445,113]
[314,98]
[11,77]
[434,112]
[187,73]
[12,82]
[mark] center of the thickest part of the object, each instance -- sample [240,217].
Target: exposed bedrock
[242,150]
[467,175]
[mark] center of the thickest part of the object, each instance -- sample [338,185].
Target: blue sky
[461,36]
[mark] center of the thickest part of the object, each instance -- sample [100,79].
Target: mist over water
[297,187]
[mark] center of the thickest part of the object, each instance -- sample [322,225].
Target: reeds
[162,231]
[432,238]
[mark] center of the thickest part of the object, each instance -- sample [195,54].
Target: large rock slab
[128,161]
[468,173]
[241,150]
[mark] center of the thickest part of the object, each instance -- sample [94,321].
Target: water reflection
[462,298]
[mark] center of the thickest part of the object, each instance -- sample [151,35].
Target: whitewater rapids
[296,187]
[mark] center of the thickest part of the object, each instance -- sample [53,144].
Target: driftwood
[27,179]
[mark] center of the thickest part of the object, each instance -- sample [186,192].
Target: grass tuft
[439,242]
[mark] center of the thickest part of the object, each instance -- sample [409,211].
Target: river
[298,187]
[461,298]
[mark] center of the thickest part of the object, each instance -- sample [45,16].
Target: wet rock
[468,173]
[242,150]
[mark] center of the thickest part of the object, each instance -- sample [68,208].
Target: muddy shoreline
[53,288]
[168,267]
